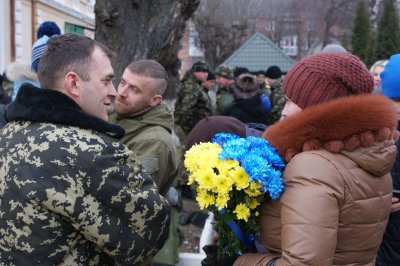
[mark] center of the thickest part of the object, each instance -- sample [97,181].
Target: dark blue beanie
[48,28]
[391,78]
[45,31]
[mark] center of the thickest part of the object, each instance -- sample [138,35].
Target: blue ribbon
[247,240]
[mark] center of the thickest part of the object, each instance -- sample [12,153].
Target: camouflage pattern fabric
[69,197]
[74,196]
[200,66]
[192,103]
[277,99]
[224,71]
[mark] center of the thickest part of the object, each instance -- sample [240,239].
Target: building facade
[20,20]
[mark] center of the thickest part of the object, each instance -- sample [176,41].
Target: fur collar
[343,124]
[51,106]
[16,71]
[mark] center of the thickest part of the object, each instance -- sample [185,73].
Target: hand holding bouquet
[233,176]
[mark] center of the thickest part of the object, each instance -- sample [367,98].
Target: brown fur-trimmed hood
[342,125]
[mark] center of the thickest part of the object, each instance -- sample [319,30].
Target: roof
[259,53]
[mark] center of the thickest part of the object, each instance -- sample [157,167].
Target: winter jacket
[19,73]
[389,251]
[250,110]
[148,135]
[225,100]
[338,187]
[192,103]
[71,193]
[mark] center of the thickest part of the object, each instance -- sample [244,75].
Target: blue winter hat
[37,50]
[48,28]
[45,31]
[391,78]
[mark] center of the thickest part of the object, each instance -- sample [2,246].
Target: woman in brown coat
[339,151]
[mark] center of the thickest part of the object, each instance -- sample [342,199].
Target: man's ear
[155,100]
[71,83]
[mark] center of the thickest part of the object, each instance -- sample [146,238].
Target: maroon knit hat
[206,128]
[326,76]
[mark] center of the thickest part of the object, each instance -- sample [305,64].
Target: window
[74,28]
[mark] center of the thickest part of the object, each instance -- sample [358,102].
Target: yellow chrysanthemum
[223,184]
[191,179]
[198,155]
[241,178]
[222,201]
[254,190]
[253,203]
[204,199]
[242,212]
[229,164]
[206,179]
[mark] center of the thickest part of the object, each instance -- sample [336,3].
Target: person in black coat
[248,106]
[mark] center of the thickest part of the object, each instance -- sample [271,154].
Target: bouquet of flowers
[233,176]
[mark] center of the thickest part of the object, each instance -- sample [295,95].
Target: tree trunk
[144,29]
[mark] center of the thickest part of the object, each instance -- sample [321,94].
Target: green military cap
[200,66]
[224,71]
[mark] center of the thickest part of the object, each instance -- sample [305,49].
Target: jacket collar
[343,124]
[160,115]
[51,106]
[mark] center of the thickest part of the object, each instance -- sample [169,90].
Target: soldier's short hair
[151,69]
[148,68]
[65,53]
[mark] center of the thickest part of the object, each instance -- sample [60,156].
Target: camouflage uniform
[277,99]
[192,103]
[70,193]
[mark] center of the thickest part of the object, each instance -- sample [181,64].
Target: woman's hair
[381,63]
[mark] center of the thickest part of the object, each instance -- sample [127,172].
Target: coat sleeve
[160,161]
[119,209]
[309,213]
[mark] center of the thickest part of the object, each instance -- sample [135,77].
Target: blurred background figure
[248,107]
[261,78]
[4,98]
[376,70]
[21,73]
[225,99]
[18,73]
[389,251]
[273,89]
[211,88]
[45,31]
[333,48]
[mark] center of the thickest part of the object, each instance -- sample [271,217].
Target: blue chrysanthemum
[258,158]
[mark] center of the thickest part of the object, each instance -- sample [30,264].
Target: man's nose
[111,90]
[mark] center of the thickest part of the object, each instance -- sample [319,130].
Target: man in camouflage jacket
[192,103]
[225,98]
[278,101]
[70,192]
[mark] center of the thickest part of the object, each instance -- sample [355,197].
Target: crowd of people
[93,175]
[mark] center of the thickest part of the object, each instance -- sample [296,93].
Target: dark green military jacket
[192,103]
[225,100]
[70,193]
[149,136]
